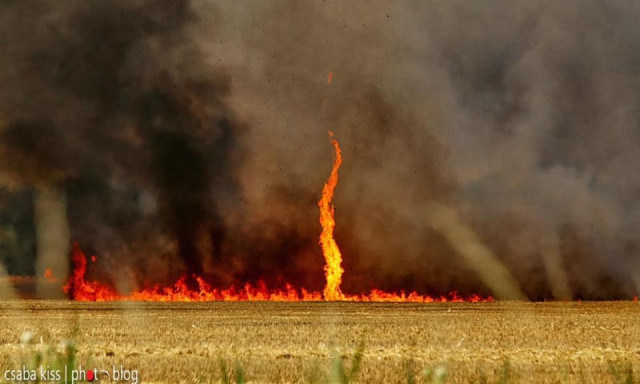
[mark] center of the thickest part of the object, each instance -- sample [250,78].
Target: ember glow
[80,289]
[48,274]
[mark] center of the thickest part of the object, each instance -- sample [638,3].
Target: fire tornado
[81,289]
[332,256]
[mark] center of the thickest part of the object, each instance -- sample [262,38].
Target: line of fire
[79,288]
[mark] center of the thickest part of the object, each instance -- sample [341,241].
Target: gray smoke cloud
[192,136]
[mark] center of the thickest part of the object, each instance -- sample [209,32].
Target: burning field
[195,288]
[337,191]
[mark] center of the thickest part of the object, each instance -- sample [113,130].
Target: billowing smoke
[113,103]
[488,147]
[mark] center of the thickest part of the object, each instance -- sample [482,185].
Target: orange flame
[80,289]
[48,274]
[329,77]
[332,256]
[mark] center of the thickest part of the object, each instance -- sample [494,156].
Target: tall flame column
[333,258]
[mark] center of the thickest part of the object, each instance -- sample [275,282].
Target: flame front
[332,256]
[80,289]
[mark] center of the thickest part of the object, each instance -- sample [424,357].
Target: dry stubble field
[297,342]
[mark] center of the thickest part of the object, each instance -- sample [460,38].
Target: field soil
[303,342]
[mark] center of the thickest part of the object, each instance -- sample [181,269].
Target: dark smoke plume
[111,102]
[486,145]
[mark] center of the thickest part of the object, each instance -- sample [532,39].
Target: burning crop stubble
[488,148]
[186,137]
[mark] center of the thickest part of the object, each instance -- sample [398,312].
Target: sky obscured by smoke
[191,136]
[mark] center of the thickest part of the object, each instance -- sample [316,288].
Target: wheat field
[270,342]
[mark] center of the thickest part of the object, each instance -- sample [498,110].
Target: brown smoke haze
[489,147]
